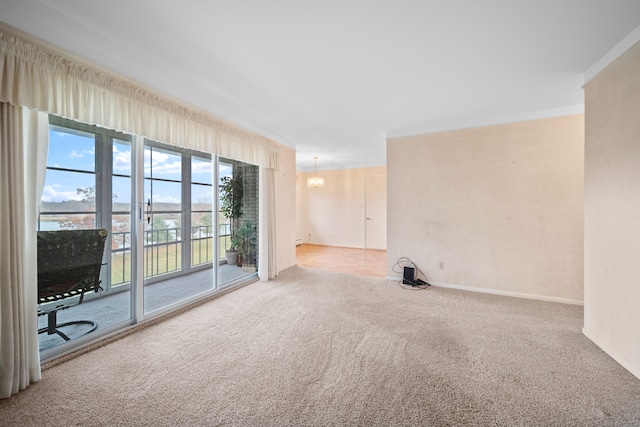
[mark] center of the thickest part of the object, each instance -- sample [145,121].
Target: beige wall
[334,215]
[612,210]
[496,208]
[285,188]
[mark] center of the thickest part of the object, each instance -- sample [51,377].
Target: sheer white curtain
[267,266]
[23,152]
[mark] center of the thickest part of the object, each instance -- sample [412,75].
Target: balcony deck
[113,308]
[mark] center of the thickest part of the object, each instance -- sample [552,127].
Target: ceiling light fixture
[315,181]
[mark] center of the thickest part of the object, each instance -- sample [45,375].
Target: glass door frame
[104,208]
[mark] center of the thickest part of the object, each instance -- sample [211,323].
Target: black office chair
[69,263]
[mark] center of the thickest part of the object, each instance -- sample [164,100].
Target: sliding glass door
[170,238]
[178,239]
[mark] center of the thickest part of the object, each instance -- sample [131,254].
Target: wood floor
[364,262]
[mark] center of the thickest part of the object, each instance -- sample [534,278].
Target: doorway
[375,232]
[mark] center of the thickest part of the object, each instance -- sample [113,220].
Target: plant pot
[232,257]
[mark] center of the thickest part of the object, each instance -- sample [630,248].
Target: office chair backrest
[69,263]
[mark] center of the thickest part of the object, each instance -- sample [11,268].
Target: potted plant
[245,239]
[234,253]
[231,193]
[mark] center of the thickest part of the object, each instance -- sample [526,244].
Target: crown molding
[613,54]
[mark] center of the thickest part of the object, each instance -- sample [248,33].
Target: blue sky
[73,151]
[77,151]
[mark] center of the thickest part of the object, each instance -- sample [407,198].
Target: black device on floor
[408,278]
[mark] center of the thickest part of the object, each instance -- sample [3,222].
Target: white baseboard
[635,370]
[499,292]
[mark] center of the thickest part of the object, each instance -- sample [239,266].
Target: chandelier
[315,181]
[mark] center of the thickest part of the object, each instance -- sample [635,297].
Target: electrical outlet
[441,265]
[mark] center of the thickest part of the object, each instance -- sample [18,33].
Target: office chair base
[50,330]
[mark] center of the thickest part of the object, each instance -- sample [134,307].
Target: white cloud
[160,165]
[166,168]
[158,157]
[121,160]
[201,167]
[75,154]
[165,199]
[50,194]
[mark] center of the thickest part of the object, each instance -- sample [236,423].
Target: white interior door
[375,212]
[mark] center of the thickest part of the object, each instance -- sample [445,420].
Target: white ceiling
[334,78]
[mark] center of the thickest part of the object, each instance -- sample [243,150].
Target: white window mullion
[186,212]
[137,229]
[103,200]
[215,220]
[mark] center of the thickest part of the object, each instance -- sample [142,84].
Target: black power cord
[416,284]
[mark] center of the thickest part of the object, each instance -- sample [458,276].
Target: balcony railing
[163,250]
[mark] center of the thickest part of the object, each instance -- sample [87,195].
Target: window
[69,193]
[88,186]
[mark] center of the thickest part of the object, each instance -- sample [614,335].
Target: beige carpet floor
[330,349]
